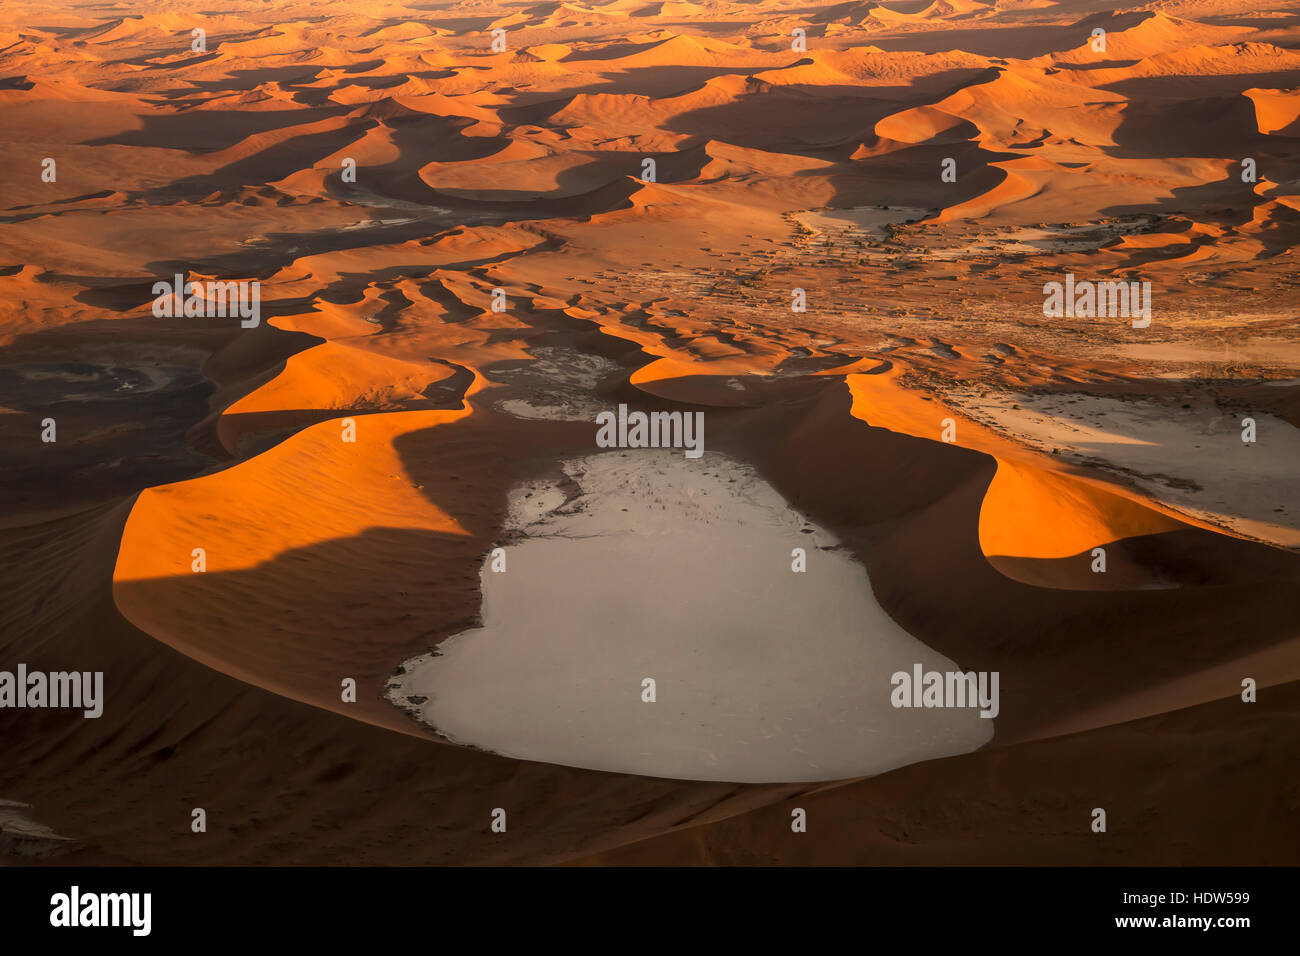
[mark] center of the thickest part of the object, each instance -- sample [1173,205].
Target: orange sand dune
[1034,513]
[1012,189]
[860,325]
[328,377]
[246,523]
[1138,35]
[1276,110]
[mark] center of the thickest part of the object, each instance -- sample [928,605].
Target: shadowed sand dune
[837,253]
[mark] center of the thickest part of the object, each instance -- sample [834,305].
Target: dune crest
[835,233]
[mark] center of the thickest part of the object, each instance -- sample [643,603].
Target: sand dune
[837,254]
[1276,110]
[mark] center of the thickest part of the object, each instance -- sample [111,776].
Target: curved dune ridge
[836,254]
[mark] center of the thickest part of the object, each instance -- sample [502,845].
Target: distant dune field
[829,229]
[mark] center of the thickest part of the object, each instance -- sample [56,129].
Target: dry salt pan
[651,623]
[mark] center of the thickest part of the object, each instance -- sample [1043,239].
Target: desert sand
[838,255]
